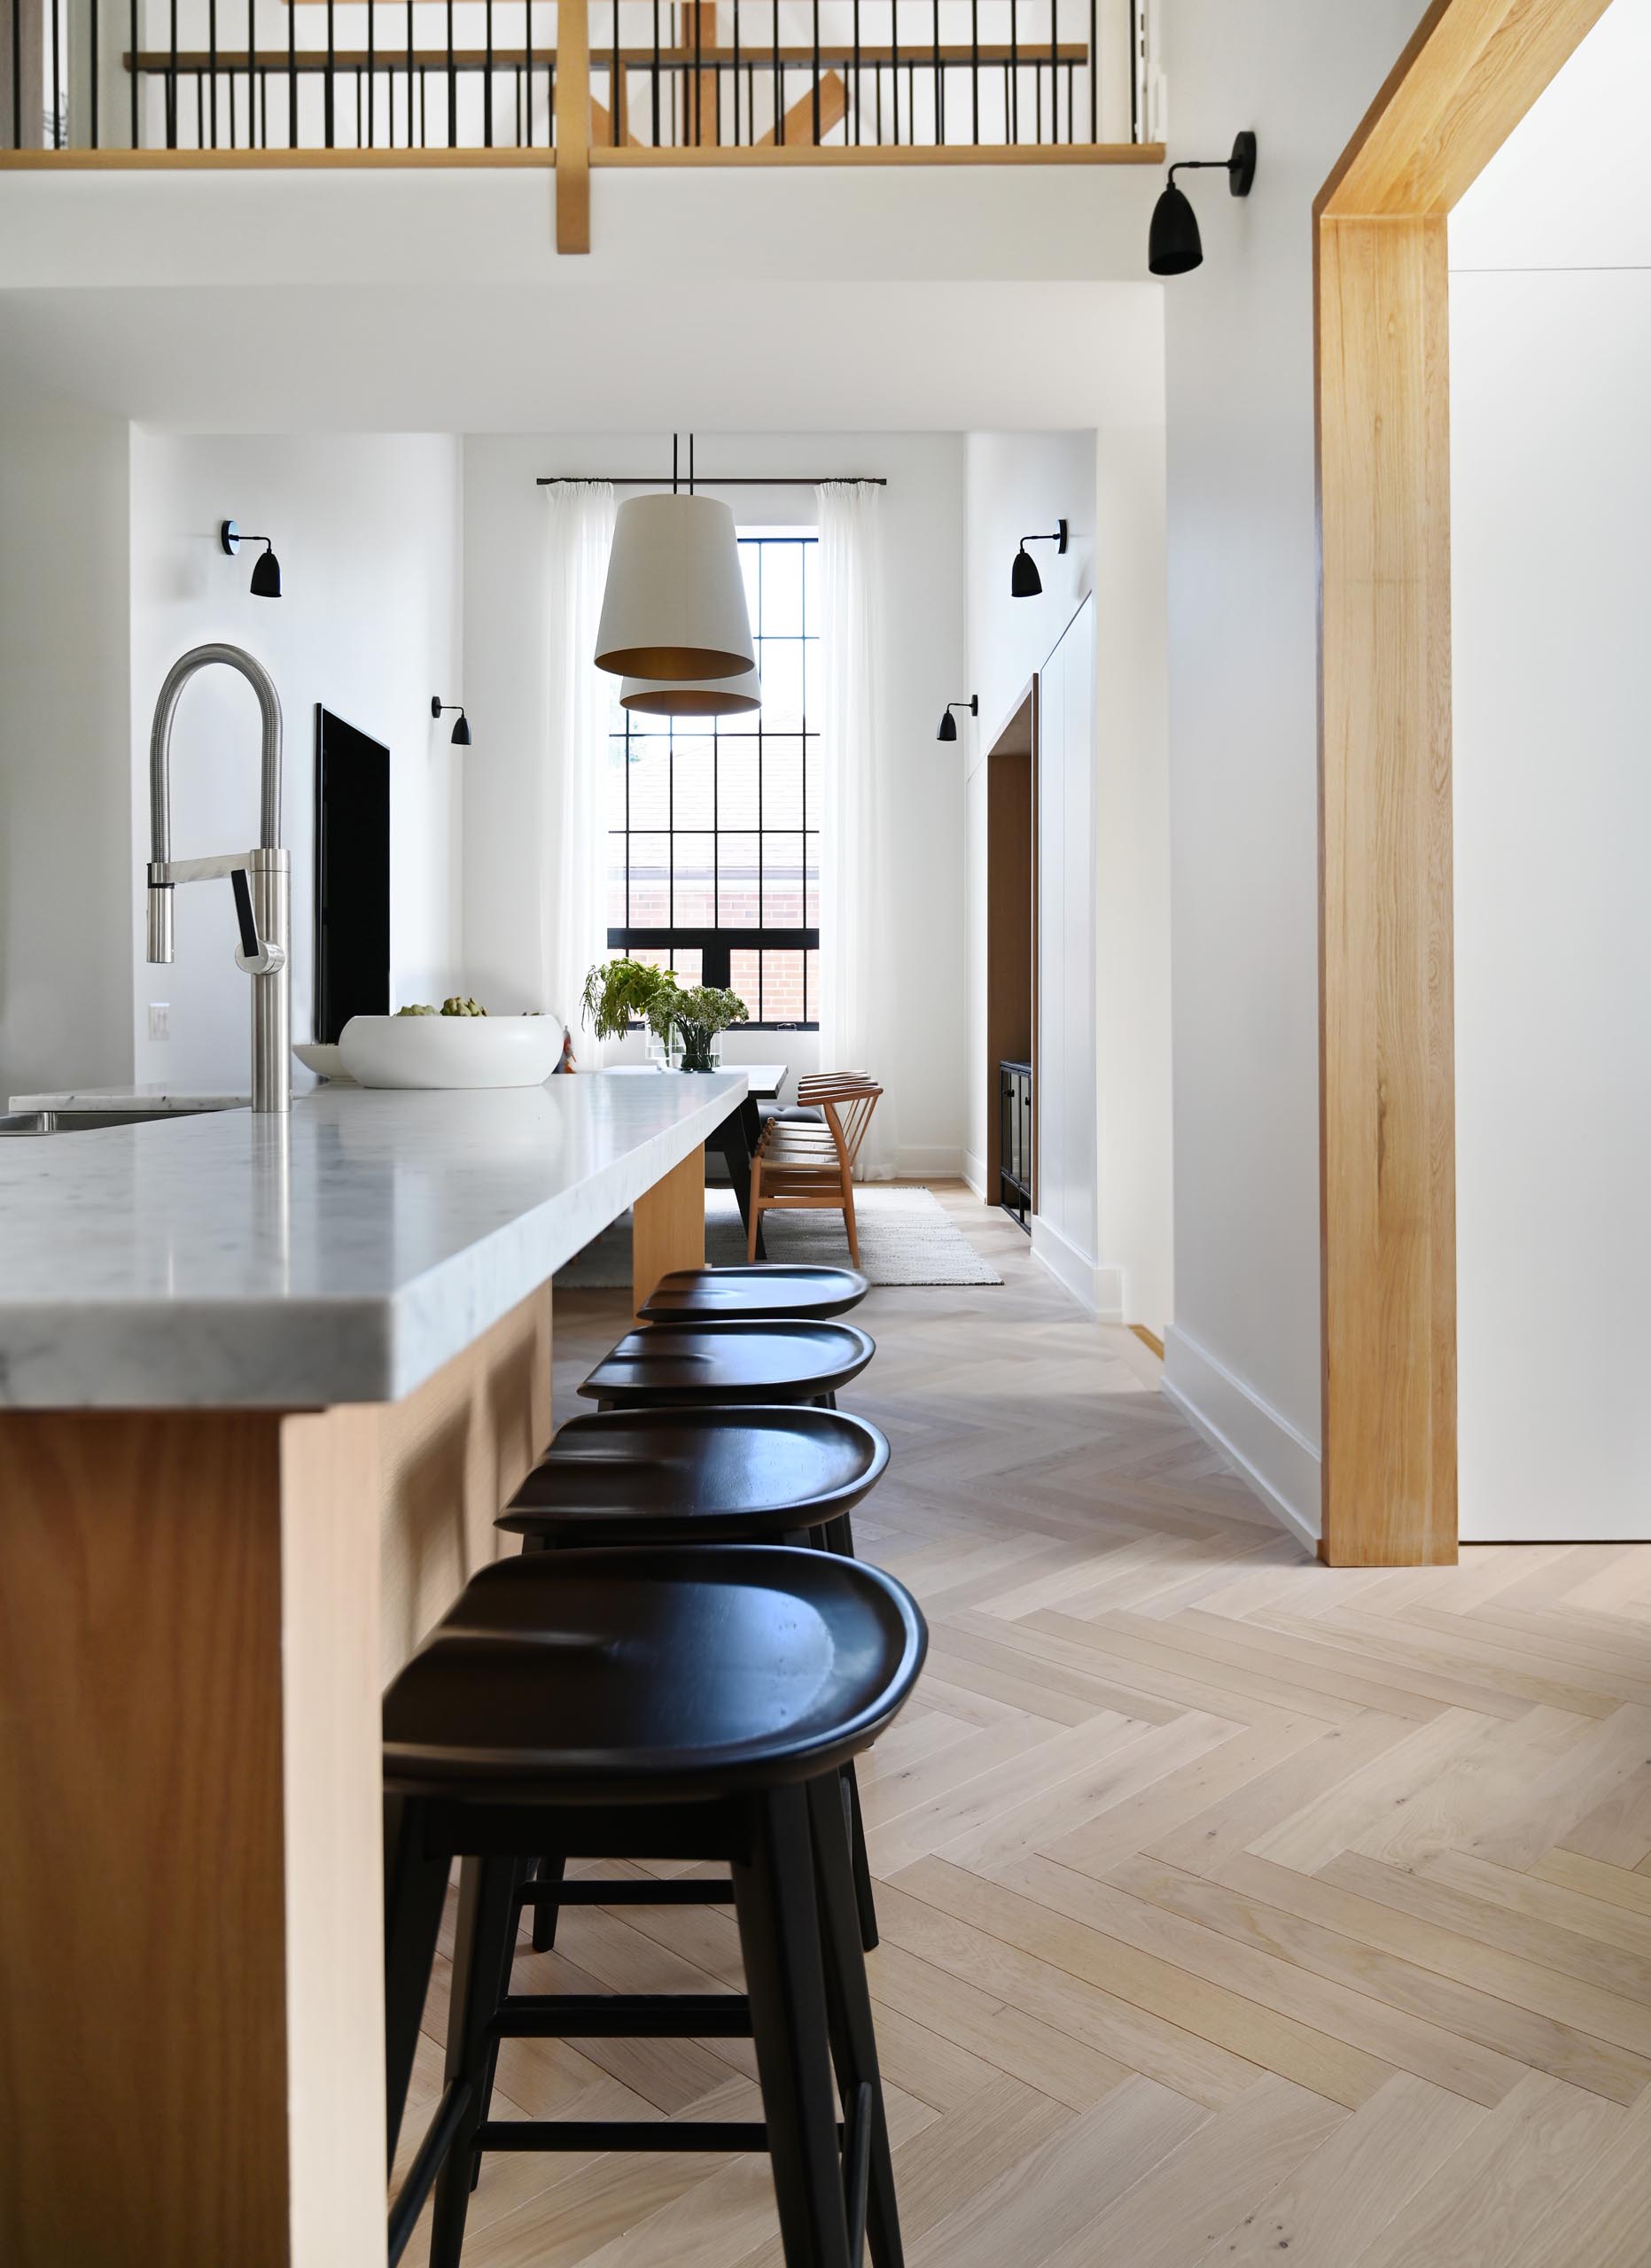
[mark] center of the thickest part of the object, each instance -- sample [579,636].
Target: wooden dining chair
[803,1166]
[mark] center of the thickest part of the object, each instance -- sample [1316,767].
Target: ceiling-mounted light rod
[1024,581]
[1174,246]
[266,583]
[719,480]
[438,707]
[948,722]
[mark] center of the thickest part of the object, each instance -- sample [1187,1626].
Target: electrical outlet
[160,1020]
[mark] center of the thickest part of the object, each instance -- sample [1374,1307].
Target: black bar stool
[681,1704]
[684,1365]
[648,1477]
[761,1291]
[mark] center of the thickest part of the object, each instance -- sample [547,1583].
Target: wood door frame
[1387,1073]
[1011,893]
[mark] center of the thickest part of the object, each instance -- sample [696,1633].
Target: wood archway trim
[1387,1075]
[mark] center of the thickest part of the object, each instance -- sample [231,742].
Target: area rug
[906,1237]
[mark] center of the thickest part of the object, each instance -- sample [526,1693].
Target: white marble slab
[161,1099]
[342,1254]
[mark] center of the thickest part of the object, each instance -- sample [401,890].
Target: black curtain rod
[712,480]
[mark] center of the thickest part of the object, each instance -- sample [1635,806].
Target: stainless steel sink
[83,1121]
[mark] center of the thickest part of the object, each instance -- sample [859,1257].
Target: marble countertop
[161,1099]
[341,1254]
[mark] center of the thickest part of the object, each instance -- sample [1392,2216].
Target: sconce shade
[461,731]
[948,728]
[708,696]
[1173,245]
[674,607]
[1024,581]
[267,577]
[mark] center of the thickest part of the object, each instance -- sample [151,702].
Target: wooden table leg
[669,1226]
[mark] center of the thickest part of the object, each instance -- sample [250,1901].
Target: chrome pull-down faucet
[260,878]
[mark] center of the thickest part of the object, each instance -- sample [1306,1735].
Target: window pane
[782,883]
[692,786]
[811,880]
[812,994]
[783,987]
[651,868]
[812,690]
[745,978]
[617,769]
[781,782]
[736,783]
[693,906]
[781,662]
[651,780]
[782,589]
[813,784]
[751,568]
[616,881]
[687,964]
[736,883]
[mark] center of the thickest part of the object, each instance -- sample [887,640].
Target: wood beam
[572,126]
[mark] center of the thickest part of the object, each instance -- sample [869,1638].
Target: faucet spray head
[159,946]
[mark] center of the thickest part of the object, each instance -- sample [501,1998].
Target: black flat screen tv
[352,875]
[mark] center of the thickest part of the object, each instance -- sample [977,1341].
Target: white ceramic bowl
[324,1057]
[451,1051]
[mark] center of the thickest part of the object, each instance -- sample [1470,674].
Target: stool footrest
[683,1892]
[623,2016]
[657,2135]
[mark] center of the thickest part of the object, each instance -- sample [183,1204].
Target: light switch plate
[160,1020]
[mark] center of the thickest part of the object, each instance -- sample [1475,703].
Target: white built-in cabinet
[1065,1224]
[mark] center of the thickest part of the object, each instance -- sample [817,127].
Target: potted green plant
[702,1013]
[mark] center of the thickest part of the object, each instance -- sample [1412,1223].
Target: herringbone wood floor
[1230,1906]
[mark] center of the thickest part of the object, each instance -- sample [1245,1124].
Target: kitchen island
[264,1384]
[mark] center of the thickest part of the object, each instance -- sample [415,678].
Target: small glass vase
[702,1050]
[665,1053]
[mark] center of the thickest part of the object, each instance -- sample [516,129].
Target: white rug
[906,1237]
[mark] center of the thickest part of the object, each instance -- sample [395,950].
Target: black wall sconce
[461,731]
[267,569]
[948,722]
[1174,246]
[1024,581]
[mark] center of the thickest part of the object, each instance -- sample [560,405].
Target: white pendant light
[674,606]
[710,696]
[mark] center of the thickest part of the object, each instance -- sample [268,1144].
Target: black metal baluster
[409,63]
[939,97]
[452,84]
[212,59]
[1014,109]
[172,82]
[291,78]
[530,72]
[486,84]
[656,77]
[1055,71]
[974,68]
[423,109]
[779,82]
[1135,69]
[57,75]
[263,110]
[373,83]
[17,65]
[733,12]
[857,73]
[816,71]
[894,50]
[699,83]
[17,75]
[331,50]
[252,80]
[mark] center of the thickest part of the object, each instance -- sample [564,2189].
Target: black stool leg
[865,1902]
[481,1958]
[779,1929]
[853,2039]
[415,1886]
[551,1868]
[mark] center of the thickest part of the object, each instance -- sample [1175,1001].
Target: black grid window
[714,865]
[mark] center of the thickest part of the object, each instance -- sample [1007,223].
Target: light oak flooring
[1231,1906]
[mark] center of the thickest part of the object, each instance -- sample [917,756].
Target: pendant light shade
[674,607]
[710,696]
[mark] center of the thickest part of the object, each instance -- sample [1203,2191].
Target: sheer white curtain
[574,851]
[856,980]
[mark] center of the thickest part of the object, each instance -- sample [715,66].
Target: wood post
[572,126]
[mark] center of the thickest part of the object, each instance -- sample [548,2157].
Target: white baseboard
[1097,1288]
[1281,1464]
[944,1161]
[974,1173]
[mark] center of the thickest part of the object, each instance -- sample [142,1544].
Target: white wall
[506,686]
[66,948]
[1551,496]
[1243,1354]
[367,529]
[1108,484]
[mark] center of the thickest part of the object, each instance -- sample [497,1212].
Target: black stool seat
[677,1365]
[606,1677]
[731,1476]
[758,1292]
